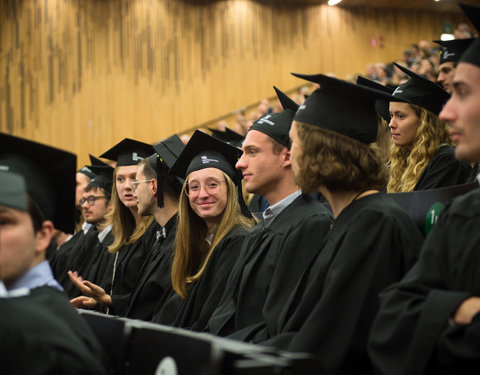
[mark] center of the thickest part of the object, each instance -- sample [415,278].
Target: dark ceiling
[441,6]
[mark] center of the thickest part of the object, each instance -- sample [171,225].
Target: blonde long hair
[192,251]
[124,229]
[409,161]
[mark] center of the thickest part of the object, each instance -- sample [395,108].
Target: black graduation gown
[41,333]
[372,244]
[271,261]
[411,334]
[443,170]
[128,263]
[91,260]
[204,295]
[61,258]
[154,283]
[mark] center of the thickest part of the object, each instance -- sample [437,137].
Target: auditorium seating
[137,347]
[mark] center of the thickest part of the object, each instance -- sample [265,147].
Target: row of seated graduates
[137,305]
[247,332]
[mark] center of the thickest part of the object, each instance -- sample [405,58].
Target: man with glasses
[91,258]
[157,192]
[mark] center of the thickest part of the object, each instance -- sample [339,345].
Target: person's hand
[467,310]
[84,302]
[90,289]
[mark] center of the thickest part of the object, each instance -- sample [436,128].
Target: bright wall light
[447,37]
[333,2]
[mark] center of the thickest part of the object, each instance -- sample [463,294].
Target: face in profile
[462,113]
[17,244]
[207,194]
[124,176]
[261,167]
[144,193]
[403,124]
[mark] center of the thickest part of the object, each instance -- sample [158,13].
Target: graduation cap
[472,54]
[420,91]
[277,125]
[381,107]
[103,178]
[228,136]
[452,50]
[162,161]
[87,172]
[49,175]
[97,162]
[128,152]
[473,14]
[342,107]
[204,151]
[13,191]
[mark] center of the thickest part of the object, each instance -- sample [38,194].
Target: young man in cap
[429,322]
[157,192]
[91,258]
[50,177]
[41,333]
[279,248]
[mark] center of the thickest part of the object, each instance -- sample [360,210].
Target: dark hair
[338,162]
[36,214]
[171,186]
[95,188]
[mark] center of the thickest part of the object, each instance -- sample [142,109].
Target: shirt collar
[40,275]
[105,231]
[273,211]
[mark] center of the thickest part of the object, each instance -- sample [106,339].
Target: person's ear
[44,236]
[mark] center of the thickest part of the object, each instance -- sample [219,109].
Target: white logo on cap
[4,168]
[397,91]
[266,120]
[206,160]
[446,54]
[135,157]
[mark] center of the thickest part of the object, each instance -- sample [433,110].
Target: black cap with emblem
[277,125]
[452,50]
[128,152]
[162,161]
[420,91]
[342,107]
[49,174]
[203,151]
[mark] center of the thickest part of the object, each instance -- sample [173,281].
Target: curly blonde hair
[407,162]
[337,162]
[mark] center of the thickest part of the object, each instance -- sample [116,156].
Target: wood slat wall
[84,74]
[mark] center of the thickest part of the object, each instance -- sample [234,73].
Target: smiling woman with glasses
[213,221]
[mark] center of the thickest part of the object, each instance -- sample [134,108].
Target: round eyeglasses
[134,184]
[211,187]
[91,200]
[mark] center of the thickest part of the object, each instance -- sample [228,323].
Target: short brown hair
[337,162]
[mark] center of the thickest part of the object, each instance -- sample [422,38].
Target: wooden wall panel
[83,74]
